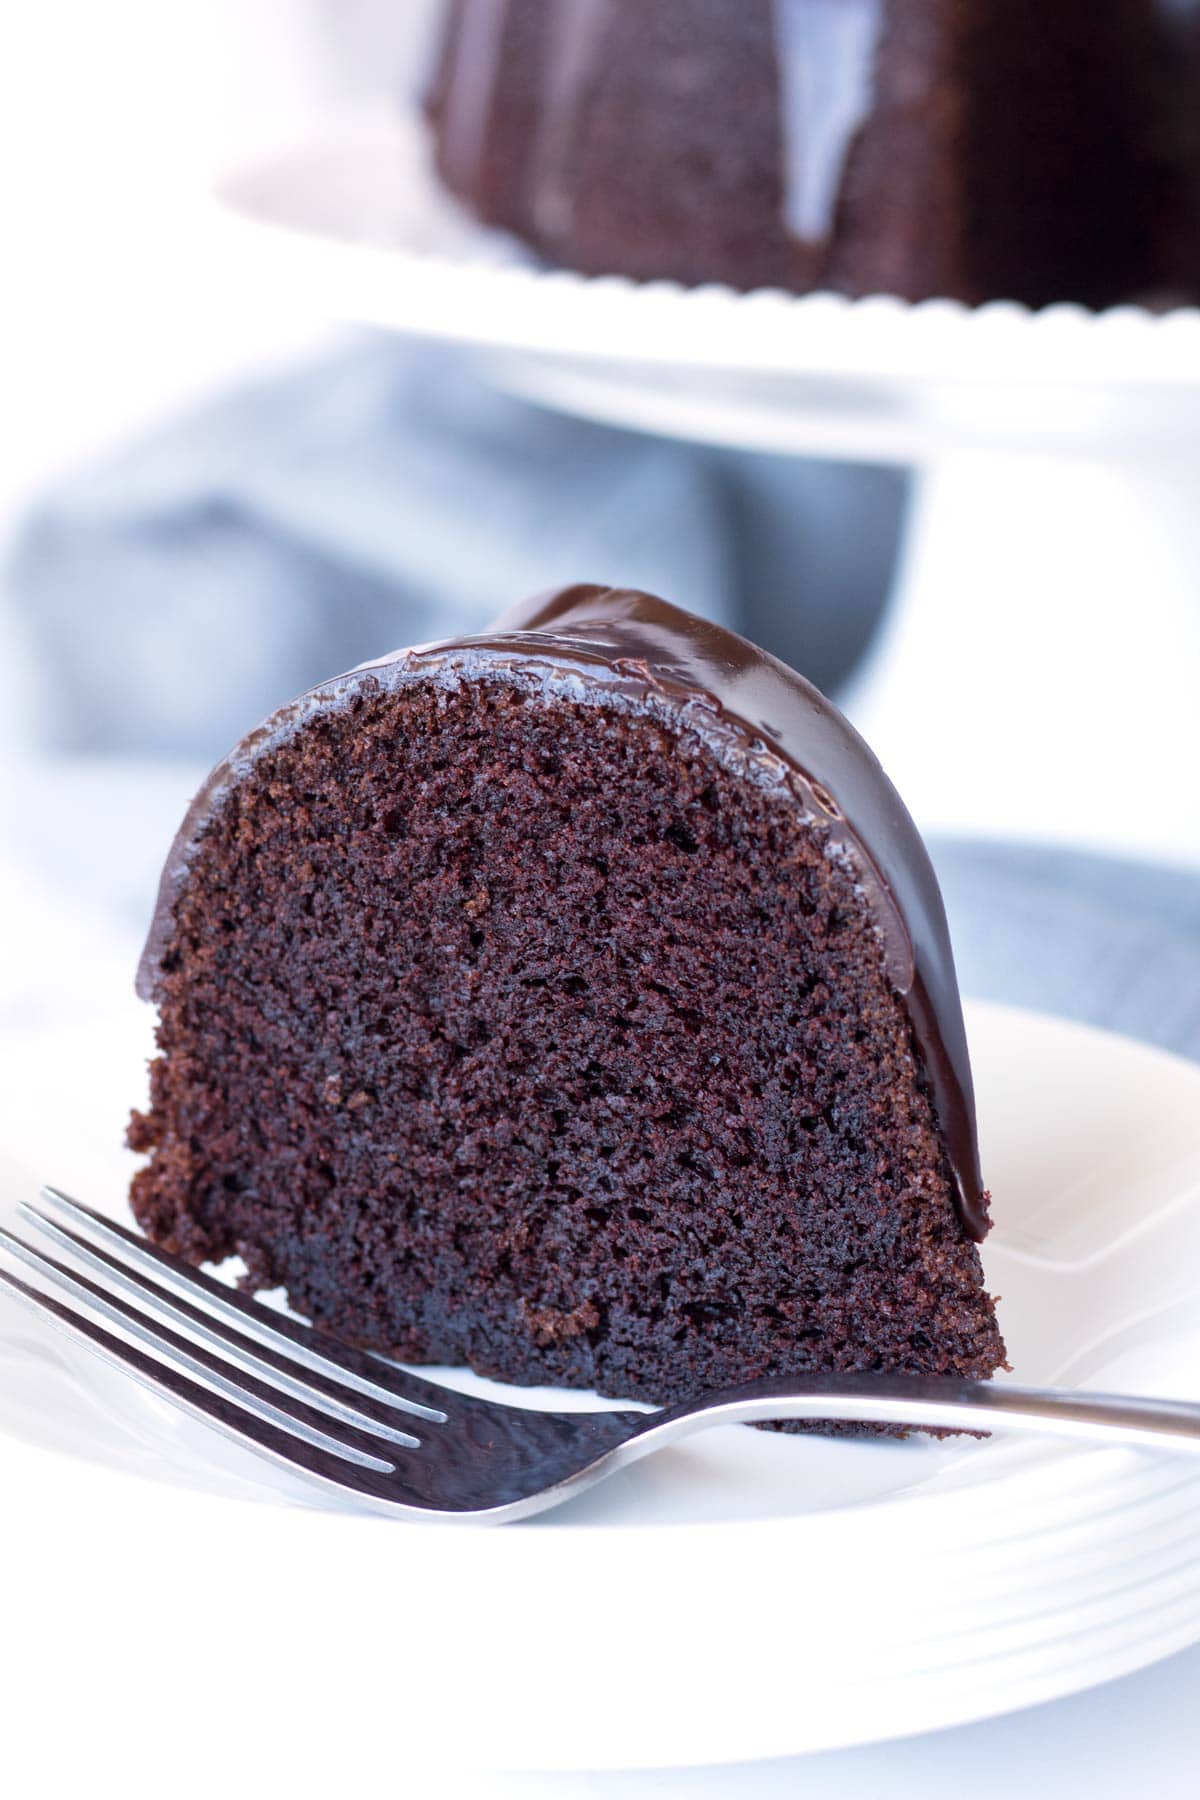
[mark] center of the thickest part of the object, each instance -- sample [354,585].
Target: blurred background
[210,500]
[215,492]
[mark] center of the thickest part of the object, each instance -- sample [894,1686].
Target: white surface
[1049,572]
[110,323]
[354,222]
[117,308]
[1037,670]
[773,1594]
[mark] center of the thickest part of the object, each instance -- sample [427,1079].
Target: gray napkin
[1109,942]
[385,495]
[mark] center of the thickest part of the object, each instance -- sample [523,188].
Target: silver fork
[371,1429]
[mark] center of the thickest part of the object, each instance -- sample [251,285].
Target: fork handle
[941,1403]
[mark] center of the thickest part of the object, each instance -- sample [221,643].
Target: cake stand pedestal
[1037,672]
[1039,669]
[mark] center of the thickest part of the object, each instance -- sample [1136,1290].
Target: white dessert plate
[744,1596]
[354,226]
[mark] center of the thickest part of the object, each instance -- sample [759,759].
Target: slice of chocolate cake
[576,1003]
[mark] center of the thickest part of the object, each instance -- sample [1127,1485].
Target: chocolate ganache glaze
[760,719]
[1027,150]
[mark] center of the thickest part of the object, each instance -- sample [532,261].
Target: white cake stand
[1039,669]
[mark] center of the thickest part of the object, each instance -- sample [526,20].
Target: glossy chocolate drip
[827,51]
[761,720]
[465,102]
[576,27]
[915,147]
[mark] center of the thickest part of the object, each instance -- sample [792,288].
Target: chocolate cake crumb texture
[509,1028]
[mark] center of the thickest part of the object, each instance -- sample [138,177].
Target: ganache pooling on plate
[761,721]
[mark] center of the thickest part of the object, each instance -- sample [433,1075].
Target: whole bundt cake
[574,1002]
[1017,149]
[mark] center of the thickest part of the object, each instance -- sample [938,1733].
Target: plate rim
[1033,1649]
[779,333]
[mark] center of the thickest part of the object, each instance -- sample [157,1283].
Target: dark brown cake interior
[515,1031]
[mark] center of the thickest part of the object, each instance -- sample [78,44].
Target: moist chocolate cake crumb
[509,1027]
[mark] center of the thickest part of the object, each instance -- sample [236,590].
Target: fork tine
[284,1445]
[355,1368]
[344,1403]
[247,1391]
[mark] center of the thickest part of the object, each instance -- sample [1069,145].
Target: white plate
[355,226]
[744,1596]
